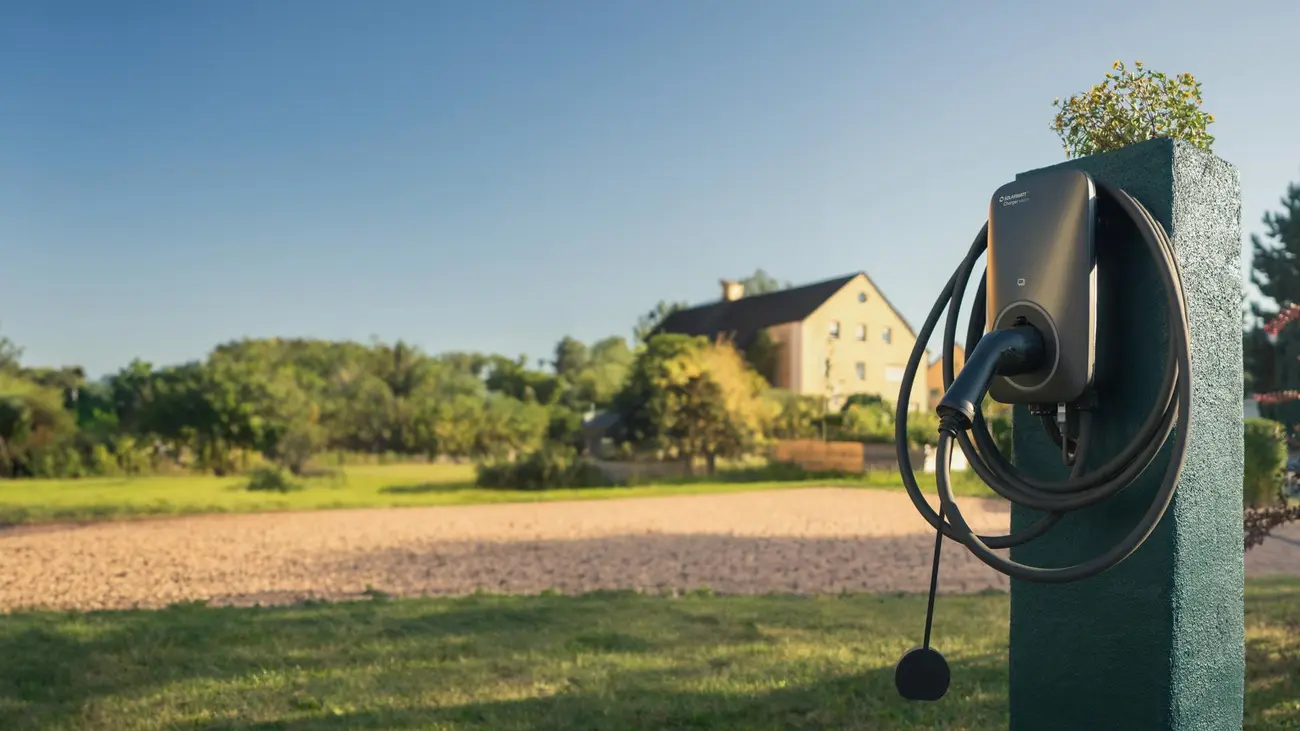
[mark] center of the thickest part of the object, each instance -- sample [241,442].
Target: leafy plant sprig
[1132,105]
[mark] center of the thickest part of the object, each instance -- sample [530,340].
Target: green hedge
[552,467]
[1265,462]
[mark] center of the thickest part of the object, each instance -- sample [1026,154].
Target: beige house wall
[882,362]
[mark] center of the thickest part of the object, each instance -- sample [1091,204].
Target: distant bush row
[559,467]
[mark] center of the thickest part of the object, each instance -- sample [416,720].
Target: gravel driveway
[810,540]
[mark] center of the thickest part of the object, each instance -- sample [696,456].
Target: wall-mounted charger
[1042,272]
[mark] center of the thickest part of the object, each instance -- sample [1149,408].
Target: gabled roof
[747,315]
[885,298]
[602,421]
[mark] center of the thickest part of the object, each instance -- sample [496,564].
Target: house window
[862,332]
[862,371]
[862,296]
[887,335]
[835,328]
[828,367]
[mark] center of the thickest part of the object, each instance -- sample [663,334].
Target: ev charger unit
[1038,297]
[1042,272]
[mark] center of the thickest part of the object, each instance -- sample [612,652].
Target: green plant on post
[1132,106]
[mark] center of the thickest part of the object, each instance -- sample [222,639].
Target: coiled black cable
[1084,487]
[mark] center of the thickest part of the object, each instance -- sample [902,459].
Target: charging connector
[1009,352]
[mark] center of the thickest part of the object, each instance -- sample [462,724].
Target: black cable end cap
[955,419]
[922,675]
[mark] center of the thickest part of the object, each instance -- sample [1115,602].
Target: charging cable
[922,674]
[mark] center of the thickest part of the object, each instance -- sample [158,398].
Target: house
[834,338]
[934,374]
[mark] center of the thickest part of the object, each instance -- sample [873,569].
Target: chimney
[732,291]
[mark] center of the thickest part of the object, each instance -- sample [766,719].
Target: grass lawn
[46,501]
[599,661]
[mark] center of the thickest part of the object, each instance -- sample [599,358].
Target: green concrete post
[1158,642]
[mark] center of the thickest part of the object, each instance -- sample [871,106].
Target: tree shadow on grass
[647,700]
[1272,653]
[610,660]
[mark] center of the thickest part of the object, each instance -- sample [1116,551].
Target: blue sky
[494,175]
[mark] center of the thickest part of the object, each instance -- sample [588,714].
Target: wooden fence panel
[813,454]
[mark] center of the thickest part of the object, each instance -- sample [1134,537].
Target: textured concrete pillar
[1158,641]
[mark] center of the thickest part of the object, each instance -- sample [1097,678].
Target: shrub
[551,467]
[795,415]
[298,444]
[1265,470]
[869,422]
[271,479]
[103,461]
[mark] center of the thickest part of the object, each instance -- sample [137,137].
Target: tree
[1271,348]
[472,363]
[602,375]
[514,379]
[570,358]
[401,367]
[10,355]
[649,321]
[795,415]
[1130,106]
[764,355]
[69,380]
[693,398]
[760,282]
[131,389]
[34,426]
[182,413]
[509,427]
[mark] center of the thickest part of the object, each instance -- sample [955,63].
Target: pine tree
[1271,348]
